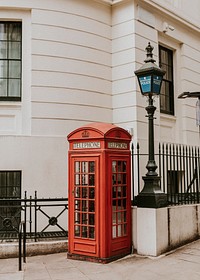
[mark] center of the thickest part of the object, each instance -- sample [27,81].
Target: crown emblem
[85,134]
[118,134]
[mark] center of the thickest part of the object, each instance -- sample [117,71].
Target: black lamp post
[150,80]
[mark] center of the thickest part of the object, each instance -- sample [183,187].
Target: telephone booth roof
[99,130]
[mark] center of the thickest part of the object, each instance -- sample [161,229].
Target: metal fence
[178,168]
[45,217]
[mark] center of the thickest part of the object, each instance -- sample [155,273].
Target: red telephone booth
[99,193]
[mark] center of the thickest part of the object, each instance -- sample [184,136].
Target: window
[10,184]
[167,88]
[10,61]
[10,212]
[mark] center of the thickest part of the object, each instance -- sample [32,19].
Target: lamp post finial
[149,54]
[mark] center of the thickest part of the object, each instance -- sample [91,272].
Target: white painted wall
[43,162]
[164,229]
[184,40]
[71,66]
[79,59]
[66,81]
[123,65]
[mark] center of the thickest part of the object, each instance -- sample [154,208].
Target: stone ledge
[11,250]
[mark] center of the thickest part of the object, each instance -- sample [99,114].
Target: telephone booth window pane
[119,166]
[84,219]
[91,193]
[84,205]
[114,218]
[119,192]
[77,166]
[84,180]
[77,180]
[119,217]
[124,191]
[85,167]
[77,205]
[77,231]
[84,210]
[124,179]
[114,179]
[114,166]
[119,198]
[91,180]
[91,232]
[91,206]
[84,232]
[114,191]
[124,216]
[84,192]
[114,232]
[119,230]
[77,192]
[119,178]
[124,203]
[77,218]
[91,219]
[91,166]
[125,229]
[124,166]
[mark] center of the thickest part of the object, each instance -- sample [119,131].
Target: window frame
[169,106]
[13,98]
[7,186]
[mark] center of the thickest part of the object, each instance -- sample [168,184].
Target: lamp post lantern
[150,79]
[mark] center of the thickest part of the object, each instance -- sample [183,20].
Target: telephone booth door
[120,201]
[84,198]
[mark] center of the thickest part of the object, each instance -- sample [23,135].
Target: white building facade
[75,65]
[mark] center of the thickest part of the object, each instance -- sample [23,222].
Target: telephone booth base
[96,259]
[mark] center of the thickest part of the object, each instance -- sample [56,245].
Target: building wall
[66,83]
[71,66]
[79,59]
[183,39]
[123,66]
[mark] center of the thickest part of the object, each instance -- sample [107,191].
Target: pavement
[183,263]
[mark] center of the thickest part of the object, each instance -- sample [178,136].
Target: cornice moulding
[179,17]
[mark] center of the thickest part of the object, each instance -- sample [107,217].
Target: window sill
[11,104]
[166,117]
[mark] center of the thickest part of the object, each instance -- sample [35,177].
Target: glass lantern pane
[145,84]
[157,84]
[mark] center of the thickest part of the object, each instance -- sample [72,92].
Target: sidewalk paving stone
[181,264]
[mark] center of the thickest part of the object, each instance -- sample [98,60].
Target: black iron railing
[44,217]
[178,168]
[22,235]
